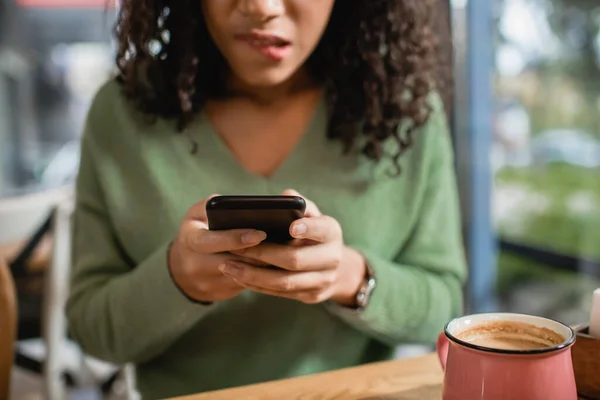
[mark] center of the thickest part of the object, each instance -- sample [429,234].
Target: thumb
[311,208]
[198,210]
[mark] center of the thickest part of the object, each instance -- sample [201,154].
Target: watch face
[364,294]
[366,289]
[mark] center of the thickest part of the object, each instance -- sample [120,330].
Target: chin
[266,79]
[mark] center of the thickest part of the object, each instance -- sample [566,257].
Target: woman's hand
[315,268]
[197,253]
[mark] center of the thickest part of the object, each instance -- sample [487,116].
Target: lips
[270,41]
[272,46]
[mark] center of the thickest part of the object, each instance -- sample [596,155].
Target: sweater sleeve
[117,311]
[421,289]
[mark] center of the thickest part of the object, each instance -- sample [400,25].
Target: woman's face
[266,41]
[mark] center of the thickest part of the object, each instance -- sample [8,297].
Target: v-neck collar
[292,161]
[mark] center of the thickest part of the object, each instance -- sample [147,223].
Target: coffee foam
[510,335]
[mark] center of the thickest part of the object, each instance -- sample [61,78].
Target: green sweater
[135,184]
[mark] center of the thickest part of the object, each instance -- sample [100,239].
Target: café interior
[523,106]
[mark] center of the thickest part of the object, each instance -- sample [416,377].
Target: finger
[222,258]
[212,288]
[308,297]
[218,284]
[322,229]
[278,280]
[295,258]
[311,208]
[256,263]
[209,266]
[201,240]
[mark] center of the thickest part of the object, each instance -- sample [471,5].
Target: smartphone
[270,214]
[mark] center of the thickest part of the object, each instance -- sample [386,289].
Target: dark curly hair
[377,61]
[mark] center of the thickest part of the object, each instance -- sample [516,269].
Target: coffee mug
[507,356]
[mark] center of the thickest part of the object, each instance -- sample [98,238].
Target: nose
[261,10]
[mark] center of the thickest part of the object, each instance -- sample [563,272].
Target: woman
[334,99]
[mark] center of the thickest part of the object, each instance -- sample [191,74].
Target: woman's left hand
[314,268]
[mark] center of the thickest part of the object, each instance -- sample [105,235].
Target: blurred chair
[8,326]
[56,293]
[26,244]
[35,240]
[55,298]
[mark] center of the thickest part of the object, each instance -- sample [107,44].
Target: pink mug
[472,372]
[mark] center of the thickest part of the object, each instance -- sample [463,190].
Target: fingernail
[299,229]
[253,237]
[231,269]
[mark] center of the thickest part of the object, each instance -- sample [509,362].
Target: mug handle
[442,346]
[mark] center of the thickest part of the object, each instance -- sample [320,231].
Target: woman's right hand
[196,255]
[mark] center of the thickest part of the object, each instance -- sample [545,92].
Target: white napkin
[595,315]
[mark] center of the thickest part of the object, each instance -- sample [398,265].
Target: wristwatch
[366,289]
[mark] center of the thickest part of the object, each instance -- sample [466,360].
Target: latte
[510,335]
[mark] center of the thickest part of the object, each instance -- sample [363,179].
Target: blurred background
[545,155]
[527,138]
[53,56]
[526,126]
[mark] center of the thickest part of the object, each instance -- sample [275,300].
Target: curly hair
[377,61]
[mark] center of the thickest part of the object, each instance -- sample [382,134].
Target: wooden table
[407,379]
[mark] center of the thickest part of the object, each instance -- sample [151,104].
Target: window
[545,155]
